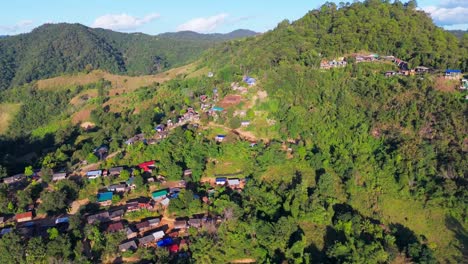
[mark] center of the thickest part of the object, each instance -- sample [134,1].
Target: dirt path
[75,206]
[246,260]
[245,135]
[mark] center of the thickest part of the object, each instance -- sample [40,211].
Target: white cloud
[453,3]
[204,24]
[448,16]
[123,21]
[20,26]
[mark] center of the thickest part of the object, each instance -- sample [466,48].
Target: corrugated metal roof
[106,196]
[160,193]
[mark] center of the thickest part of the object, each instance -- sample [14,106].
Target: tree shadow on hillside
[461,234]
[315,255]
[12,151]
[404,236]
[17,153]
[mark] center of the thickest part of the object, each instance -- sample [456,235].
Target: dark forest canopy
[54,49]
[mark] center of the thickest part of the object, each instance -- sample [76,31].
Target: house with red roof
[24,217]
[147,166]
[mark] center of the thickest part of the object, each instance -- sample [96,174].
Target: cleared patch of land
[83,97]
[7,112]
[429,220]
[230,100]
[446,85]
[121,84]
[82,115]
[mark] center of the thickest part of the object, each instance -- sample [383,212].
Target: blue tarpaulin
[165,242]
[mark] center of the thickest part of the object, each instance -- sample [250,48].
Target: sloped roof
[114,227]
[106,196]
[131,245]
[159,194]
[23,215]
[146,239]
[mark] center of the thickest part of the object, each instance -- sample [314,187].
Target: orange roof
[23,215]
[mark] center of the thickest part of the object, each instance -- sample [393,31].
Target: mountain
[190,35]
[53,49]
[458,33]
[330,32]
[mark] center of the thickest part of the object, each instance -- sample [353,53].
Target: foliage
[50,50]
[53,202]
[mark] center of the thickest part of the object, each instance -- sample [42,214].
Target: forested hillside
[270,158]
[54,49]
[390,29]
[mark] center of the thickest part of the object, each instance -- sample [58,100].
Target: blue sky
[205,16]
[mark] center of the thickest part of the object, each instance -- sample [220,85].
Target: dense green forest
[53,49]
[350,166]
[334,31]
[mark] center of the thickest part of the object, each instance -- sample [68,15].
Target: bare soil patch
[230,100]
[82,116]
[446,85]
[246,260]
[83,97]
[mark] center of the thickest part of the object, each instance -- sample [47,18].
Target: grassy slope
[7,112]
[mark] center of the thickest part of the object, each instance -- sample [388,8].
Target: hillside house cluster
[326,64]
[15,179]
[233,183]
[28,228]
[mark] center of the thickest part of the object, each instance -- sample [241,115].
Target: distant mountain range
[190,35]
[53,49]
[458,33]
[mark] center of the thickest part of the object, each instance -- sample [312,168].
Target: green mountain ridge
[330,32]
[53,49]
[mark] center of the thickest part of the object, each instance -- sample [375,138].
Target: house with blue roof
[62,220]
[221,181]
[220,138]
[453,74]
[105,198]
[217,109]
[249,80]
[94,174]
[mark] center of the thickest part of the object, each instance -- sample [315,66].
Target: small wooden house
[131,233]
[115,227]
[59,176]
[101,217]
[188,173]
[115,171]
[131,245]
[180,224]
[105,199]
[24,217]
